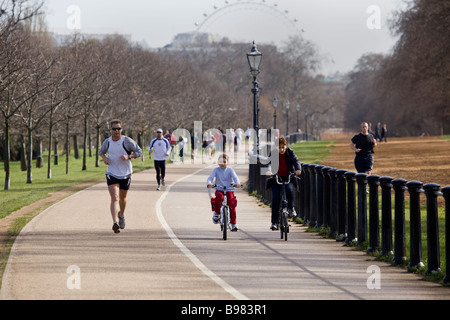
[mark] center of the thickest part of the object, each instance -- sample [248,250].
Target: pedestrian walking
[378,131]
[384,133]
[160,146]
[181,143]
[363,144]
[116,152]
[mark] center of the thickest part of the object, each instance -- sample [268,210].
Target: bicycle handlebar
[276,176]
[223,187]
[233,185]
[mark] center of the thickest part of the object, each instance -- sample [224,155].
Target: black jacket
[292,162]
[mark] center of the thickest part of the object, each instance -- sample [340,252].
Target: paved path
[171,250]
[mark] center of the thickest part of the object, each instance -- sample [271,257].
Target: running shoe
[234,228]
[274,227]
[292,213]
[158,188]
[116,227]
[216,218]
[121,221]
[163,182]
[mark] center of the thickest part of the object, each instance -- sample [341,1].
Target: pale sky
[342,30]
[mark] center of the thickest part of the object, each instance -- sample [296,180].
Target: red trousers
[232,204]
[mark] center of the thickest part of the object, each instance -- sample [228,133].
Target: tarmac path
[170,250]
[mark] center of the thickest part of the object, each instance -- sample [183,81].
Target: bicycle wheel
[281,223]
[286,224]
[224,222]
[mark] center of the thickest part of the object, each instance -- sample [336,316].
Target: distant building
[183,40]
[60,39]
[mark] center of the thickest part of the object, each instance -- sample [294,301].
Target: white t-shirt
[118,168]
[161,149]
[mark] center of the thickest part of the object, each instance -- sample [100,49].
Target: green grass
[22,194]
[313,152]
[446,137]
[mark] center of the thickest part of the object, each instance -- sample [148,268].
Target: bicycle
[284,212]
[225,224]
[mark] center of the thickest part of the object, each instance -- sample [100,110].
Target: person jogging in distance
[363,144]
[117,152]
[161,148]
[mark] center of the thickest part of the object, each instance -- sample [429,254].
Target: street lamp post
[298,111]
[288,105]
[275,106]
[254,60]
[306,125]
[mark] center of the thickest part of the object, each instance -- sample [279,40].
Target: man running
[120,150]
[161,147]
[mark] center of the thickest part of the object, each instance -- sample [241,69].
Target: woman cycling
[288,163]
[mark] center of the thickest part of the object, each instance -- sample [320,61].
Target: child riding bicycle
[288,163]
[224,176]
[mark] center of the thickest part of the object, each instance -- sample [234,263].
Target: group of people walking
[380,133]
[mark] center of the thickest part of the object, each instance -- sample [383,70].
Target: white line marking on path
[228,288]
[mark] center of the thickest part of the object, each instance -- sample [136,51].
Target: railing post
[386,215]
[374,213]
[446,193]
[399,218]
[351,207]
[319,195]
[342,205]
[361,179]
[434,258]
[301,213]
[333,202]
[307,186]
[326,196]
[313,195]
[414,189]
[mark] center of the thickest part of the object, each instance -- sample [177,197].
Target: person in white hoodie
[160,146]
[224,176]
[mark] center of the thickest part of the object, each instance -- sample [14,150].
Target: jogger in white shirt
[120,150]
[161,148]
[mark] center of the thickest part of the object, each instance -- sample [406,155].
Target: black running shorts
[124,184]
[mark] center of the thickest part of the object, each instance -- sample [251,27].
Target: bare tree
[12,62]
[31,108]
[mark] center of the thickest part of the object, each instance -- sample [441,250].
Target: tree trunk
[56,153]
[67,147]
[97,147]
[30,156]
[40,157]
[23,154]
[50,133]
[7,156]
[84,145]
[76,149]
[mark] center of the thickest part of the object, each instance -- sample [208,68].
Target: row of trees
[50,92]
[409,88]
